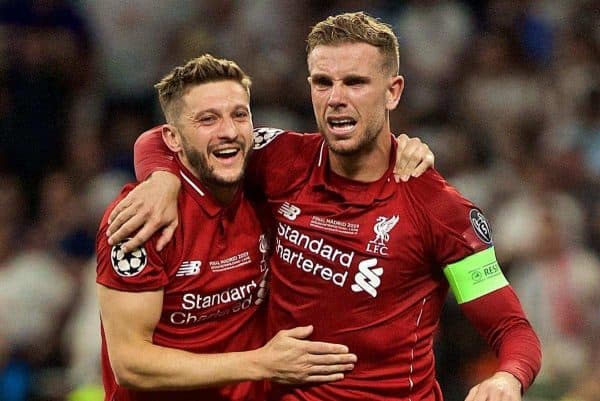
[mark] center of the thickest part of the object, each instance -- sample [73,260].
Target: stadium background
[506,93]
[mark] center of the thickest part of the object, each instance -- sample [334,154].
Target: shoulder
[138,270]
[101,238]
[444,206]
[281,159]
[125,190]
[279,138]
[430,186]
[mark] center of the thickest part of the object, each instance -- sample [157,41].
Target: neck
[223,194]
[367,165]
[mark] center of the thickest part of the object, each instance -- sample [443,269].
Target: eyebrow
[318,77]
[199,113]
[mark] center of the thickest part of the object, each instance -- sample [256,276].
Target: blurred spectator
[558,281]
[433,34]
[81,336]
[131,36]
[505,92]
[47,52]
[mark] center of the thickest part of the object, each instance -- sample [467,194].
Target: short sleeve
[139,270]
[279,160]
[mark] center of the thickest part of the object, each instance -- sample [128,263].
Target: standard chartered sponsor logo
[316,246]
[239,298]
[368,278]
[263,288]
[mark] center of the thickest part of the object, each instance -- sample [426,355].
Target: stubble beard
[206,173]
[363,144]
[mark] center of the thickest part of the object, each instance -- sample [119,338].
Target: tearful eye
[207,119]
[320,83]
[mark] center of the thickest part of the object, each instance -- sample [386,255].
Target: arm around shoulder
[150,206]
[150,154]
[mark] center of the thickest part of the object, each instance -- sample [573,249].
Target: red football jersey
[213,273]
[363,263]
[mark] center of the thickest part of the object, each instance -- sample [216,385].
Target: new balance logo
[289,211]
[189,268]
[367,279]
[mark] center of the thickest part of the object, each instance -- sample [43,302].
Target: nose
[337,95]
[228,129]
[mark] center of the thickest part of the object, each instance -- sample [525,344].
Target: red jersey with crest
[213,274]
[363,263]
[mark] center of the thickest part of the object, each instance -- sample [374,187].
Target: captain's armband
[475,276]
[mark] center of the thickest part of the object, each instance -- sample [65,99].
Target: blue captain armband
[475,276]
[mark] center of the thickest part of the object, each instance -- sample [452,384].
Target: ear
[394,92]
[171,137]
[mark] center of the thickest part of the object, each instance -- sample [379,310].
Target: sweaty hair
[200,70]
[356,28]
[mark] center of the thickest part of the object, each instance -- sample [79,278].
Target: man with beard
[188,323]
[366,260]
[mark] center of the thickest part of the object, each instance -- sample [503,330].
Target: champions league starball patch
[480,226]
[262,136]
[128,264]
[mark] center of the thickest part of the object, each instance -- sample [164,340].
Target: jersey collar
[194,187]
[353,192]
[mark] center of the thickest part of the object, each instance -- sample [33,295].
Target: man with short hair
[187,323]
[369,261]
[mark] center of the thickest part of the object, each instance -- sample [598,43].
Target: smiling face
[213,132]
[352,93]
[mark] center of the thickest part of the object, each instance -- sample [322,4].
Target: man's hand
[152,205]
[502,386]
[413,158]
[290,359]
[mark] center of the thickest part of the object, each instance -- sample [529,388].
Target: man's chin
[343,148]
[225,181]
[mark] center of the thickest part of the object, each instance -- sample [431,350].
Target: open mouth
[226,153]
[341,124]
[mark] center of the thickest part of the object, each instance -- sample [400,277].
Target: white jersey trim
[412,351]
[321,154]
[189,181]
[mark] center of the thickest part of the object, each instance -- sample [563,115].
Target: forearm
[519,353]
[150,154]
[129,320]
[508,332]
[152,367]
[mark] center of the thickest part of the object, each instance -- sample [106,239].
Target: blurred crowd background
[507,94]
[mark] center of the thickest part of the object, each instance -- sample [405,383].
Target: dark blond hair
[353,28]
[200,70]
